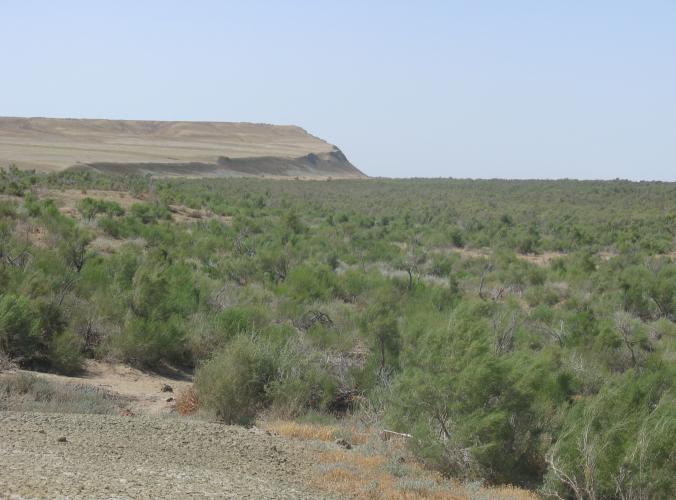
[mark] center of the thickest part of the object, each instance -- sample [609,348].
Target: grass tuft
[27,392]
[309,431]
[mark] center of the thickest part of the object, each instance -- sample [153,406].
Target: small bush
[146,342]
[19,335]
[111,226]
[90,208]
[66,353]
[147,212]
[232,384]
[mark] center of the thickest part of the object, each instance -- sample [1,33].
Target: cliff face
[187,149]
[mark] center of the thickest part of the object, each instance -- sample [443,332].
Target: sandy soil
[142,390]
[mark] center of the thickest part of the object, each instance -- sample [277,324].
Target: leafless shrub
[187,402]
[6,363]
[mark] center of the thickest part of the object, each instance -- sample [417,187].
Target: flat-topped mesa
[163,148]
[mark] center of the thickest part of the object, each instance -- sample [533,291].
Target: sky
[472,89]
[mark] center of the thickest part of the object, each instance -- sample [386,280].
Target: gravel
[106,456]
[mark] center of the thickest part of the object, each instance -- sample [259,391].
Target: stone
[344,444]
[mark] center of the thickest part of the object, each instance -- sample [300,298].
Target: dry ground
[141,391]
[109,456]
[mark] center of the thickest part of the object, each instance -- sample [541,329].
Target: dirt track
[145,457]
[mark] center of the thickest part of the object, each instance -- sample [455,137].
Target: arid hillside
[186,149]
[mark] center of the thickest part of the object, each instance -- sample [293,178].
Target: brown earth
[186,149]
[109,456]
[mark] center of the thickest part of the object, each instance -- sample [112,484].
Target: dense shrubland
[522,331]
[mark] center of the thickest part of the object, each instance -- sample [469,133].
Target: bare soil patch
[142,389]
[108,456]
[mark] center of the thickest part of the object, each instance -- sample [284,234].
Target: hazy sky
[513,89]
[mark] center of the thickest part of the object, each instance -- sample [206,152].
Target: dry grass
[35,234]
[21,391]
[299,430]
[380,469]
[6,362]
[359,475]
[377,476]
[187,402]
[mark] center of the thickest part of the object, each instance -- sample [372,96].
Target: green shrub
[301,387]
[236,320]
[619,444]
[146,342]
[111,226]
[66,353]
[90,208]
[19,333]
[7,209]
[312,283]
[303,380]
[149,212]
[211,332]
[233,383]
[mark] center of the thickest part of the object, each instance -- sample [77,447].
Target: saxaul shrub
[232,384]
[619,444]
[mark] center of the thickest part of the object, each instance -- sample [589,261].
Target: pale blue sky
[513,89]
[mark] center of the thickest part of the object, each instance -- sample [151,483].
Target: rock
[170,399]
[62,439]
[167,388]
[344,443]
